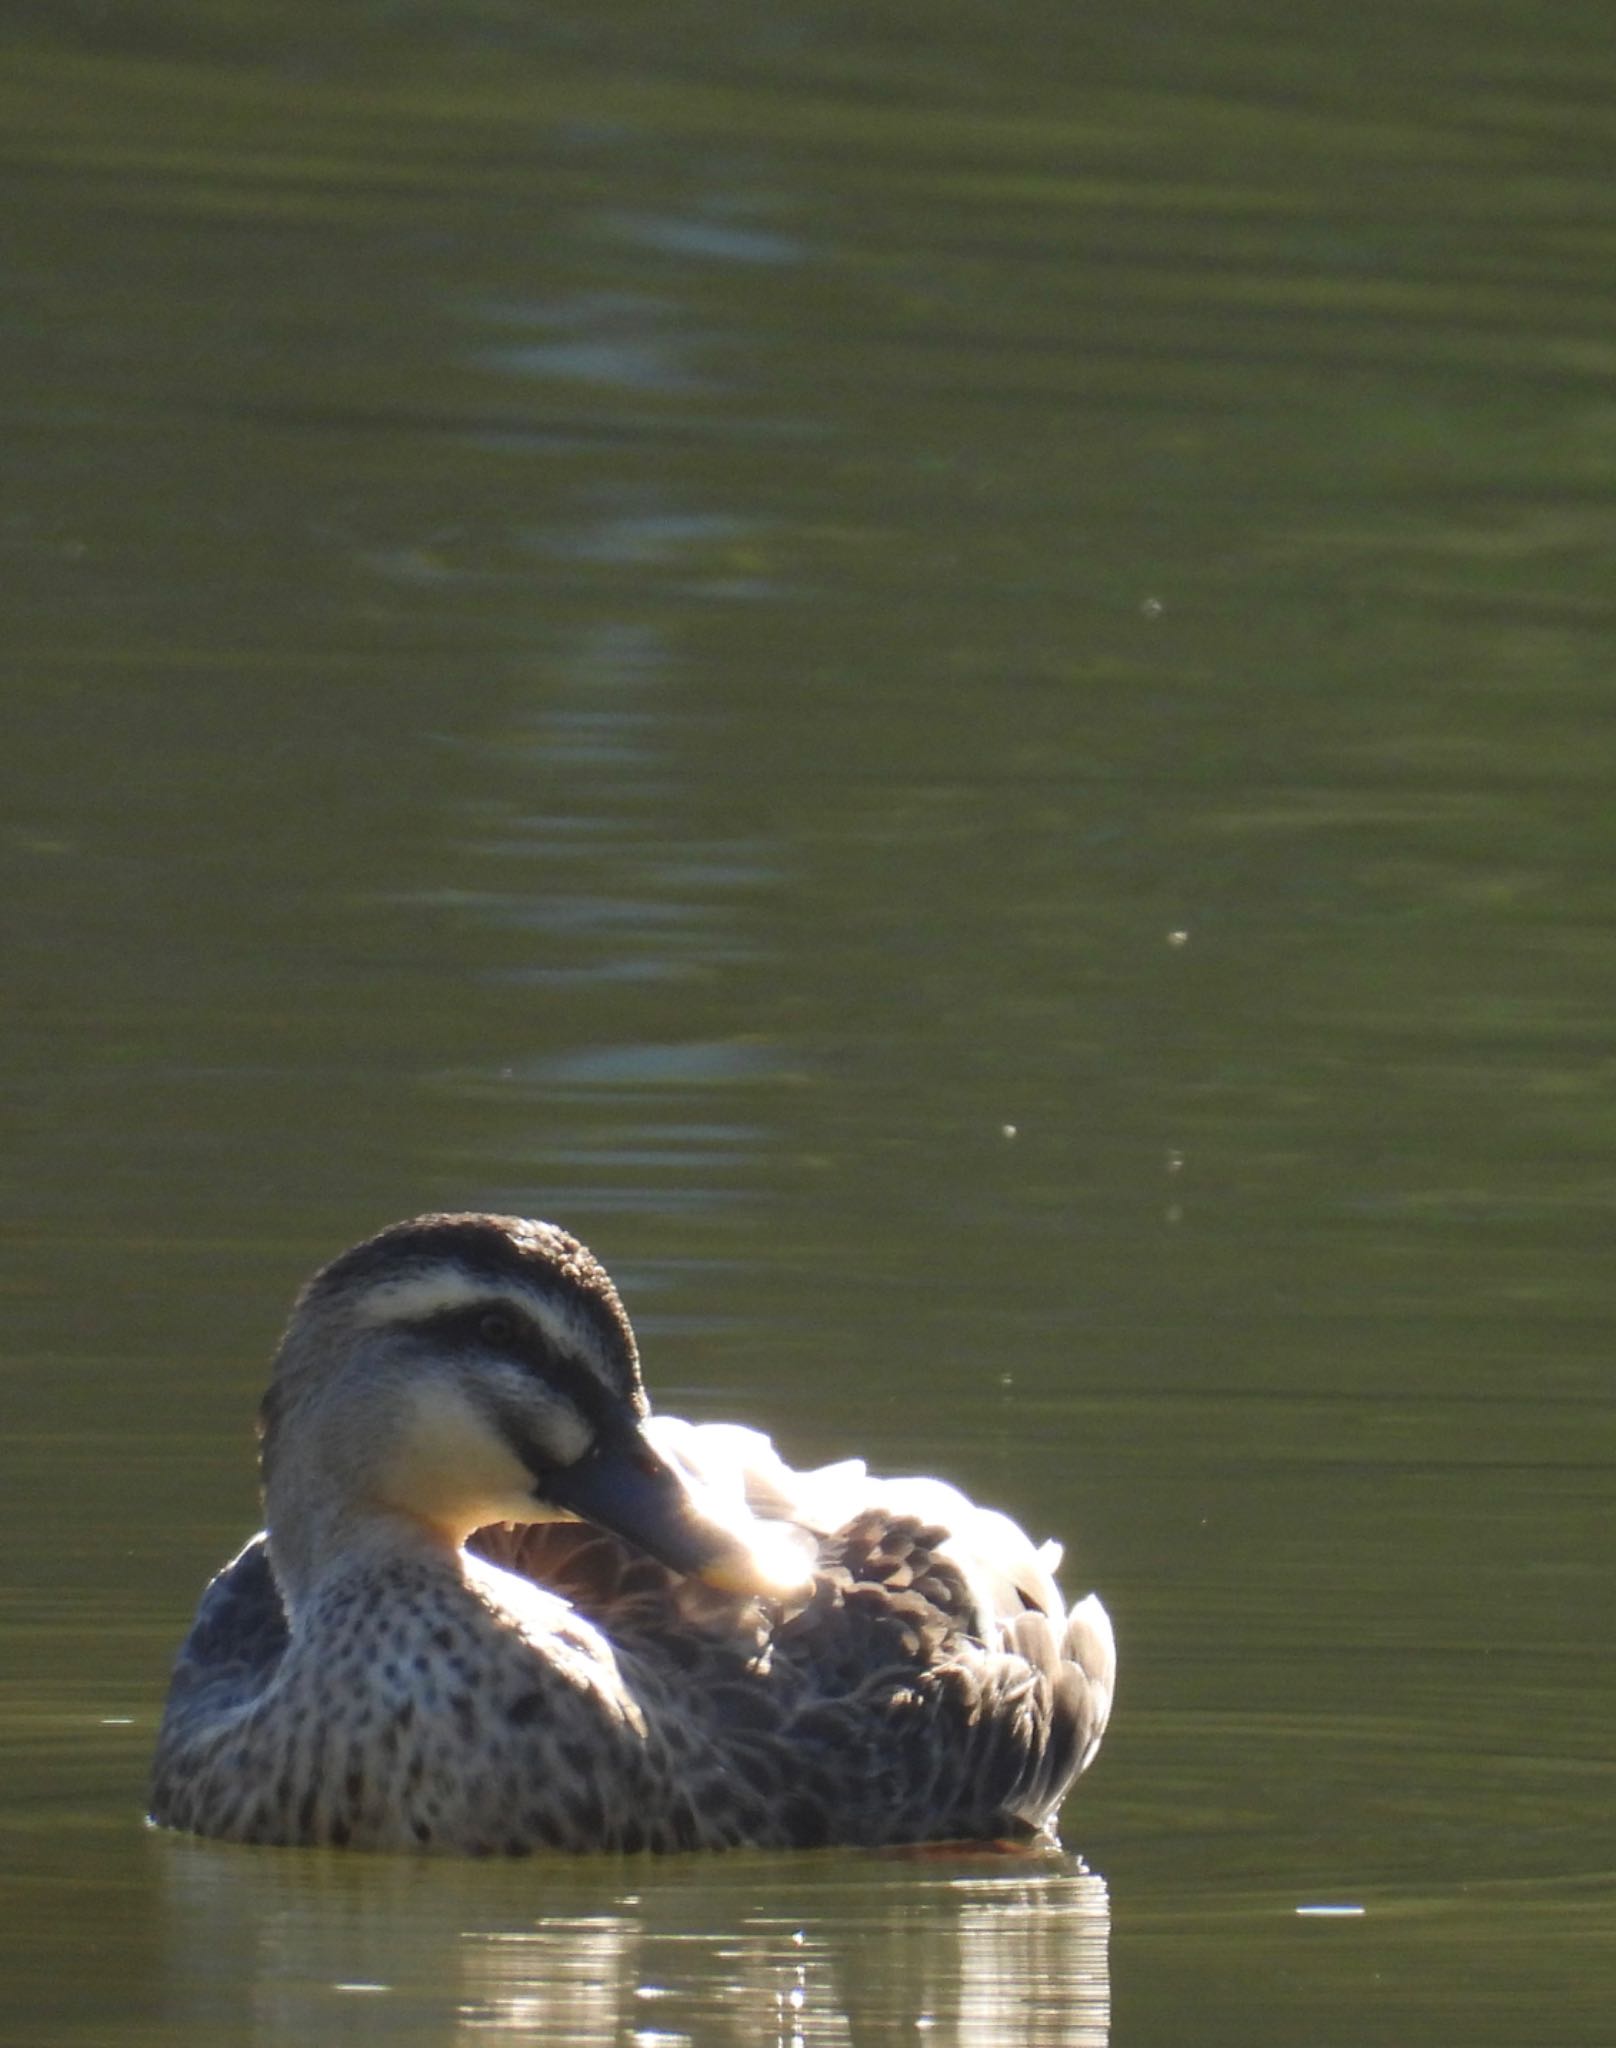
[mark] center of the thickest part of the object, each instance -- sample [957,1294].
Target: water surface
[946,682]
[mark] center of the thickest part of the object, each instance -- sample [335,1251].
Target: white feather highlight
[744,1483]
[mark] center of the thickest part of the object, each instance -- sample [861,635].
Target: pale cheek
[449,1467]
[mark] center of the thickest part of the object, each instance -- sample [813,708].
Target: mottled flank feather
[551,1685]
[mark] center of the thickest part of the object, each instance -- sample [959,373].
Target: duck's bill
[632,1490]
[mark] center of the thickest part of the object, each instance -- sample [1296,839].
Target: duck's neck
[310,1549]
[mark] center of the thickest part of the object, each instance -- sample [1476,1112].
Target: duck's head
[458,1370]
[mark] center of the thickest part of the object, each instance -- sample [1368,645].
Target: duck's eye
[497,1328]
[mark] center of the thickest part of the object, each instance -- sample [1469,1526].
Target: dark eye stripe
[461,1329]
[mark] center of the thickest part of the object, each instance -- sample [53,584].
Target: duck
[498,1606]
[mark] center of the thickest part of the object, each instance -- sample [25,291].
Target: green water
[944,675]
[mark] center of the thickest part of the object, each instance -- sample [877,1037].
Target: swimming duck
[499,1606]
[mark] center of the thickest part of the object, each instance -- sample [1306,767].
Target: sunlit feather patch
[728,1473]
[770,1558]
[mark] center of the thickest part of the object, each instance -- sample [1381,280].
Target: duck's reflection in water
[289,1947]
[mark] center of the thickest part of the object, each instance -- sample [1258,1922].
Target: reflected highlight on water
[801,1950]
